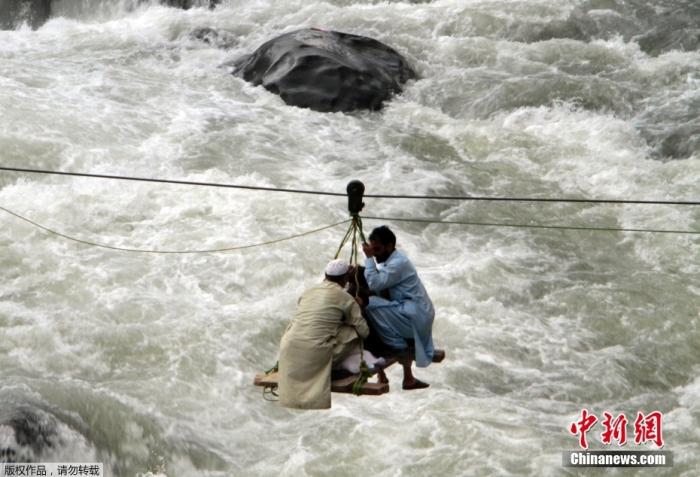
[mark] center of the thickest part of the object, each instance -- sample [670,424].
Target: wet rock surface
[326,71]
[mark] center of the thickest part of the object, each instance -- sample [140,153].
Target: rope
[355,231]
[362,378]
[134,250]
[271,389]
[270,393]
[339,194]
[344,241]
[273,369]
[359,227]
[532,226]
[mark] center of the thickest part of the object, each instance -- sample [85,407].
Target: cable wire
[373,196]
[135,250]
[529,226]
[319,229]
[170,181]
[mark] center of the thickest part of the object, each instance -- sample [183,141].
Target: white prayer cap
[336,268]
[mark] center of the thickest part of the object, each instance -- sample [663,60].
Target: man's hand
[367,248]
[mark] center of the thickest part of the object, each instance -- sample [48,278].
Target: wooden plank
[343,385]
[266,379]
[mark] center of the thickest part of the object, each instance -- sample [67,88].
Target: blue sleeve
[390,274]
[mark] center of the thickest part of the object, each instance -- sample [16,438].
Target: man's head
[383,242]
[337,271]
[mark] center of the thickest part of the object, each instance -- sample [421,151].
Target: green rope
[273,369]
[355,234]
[270,393]
[353,248]
[344,241]
[358,219]
[362,378]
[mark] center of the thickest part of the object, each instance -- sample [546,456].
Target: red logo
[582,426]
[615,429]
[647,428]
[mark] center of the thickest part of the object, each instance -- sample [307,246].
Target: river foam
[145,362]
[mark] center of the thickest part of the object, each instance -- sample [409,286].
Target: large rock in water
[326,70]
[187,4]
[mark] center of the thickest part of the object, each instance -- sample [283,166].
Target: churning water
[145,362]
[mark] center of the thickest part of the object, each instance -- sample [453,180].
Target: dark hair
[383,235]
[357,285]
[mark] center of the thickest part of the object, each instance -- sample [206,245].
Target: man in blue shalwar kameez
[408,313]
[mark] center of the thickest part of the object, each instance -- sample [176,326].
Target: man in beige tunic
[324,330]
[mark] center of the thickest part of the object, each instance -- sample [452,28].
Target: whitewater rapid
[145,362]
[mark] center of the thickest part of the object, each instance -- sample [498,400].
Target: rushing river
[144,362]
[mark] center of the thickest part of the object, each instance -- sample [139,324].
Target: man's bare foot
[415,384]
